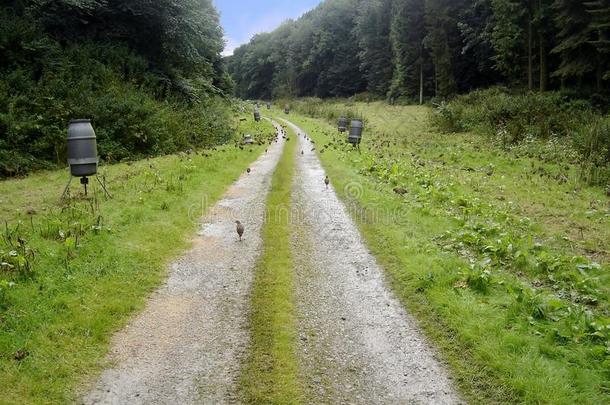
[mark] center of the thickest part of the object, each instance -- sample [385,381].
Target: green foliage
[313,56]
[516,119]
[478,276]
[440,25]
[271,371]
[373,33]
[448,117]
[428,49]
[507,37]
[410,55]
[147,94]
[505,270]
[5,286]
[592,141]
[95,261]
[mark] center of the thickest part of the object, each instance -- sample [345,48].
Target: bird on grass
[239,227]
[400,190]
[326,181]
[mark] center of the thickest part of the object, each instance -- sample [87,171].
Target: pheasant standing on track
[326,181]
[240,229]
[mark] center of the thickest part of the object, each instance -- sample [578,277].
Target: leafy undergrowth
[73,272]
[270,374]
[579,132]
[503,264]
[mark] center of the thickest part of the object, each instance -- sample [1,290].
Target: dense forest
[149,75]
[416,49]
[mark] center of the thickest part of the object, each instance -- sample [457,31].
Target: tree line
[148,73]
[416,49]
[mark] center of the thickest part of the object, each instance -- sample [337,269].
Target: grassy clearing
[93,262]
[270,374]
[504,265]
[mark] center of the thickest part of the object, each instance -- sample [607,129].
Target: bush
[514,119]
[315,107]
[129,110]
[50,75]
[448,117]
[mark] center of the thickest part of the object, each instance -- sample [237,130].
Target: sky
[242,19]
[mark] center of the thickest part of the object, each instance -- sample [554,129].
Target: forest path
[356,342]
[187,344]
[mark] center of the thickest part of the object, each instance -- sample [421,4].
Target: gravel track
[186,346]
[357,344]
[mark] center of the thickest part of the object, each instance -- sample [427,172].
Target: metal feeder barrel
[82,148]
[355,132]
[257,116]
[342,124]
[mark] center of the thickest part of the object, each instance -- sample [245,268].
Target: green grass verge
[514,329]
[94,261]
[270,373]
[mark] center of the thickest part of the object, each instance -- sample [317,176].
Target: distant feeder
[286,110]
[248,140]
[257,116]
[342,124]
[355,133]
[268,106]
[82,153]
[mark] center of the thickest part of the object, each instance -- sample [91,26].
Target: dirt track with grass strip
[353,341]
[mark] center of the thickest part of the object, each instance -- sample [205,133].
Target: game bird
[400,190]
[239,227]
[248,170]
[326,181]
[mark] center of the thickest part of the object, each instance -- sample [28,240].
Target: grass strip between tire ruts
[270,373]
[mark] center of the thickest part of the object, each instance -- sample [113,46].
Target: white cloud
[266,24]
[230,45]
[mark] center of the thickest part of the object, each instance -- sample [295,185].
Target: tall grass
[511,119]
[270,374]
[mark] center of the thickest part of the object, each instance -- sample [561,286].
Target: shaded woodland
[419,49]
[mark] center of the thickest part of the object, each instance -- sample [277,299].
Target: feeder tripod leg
[67,189]
[103,186]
